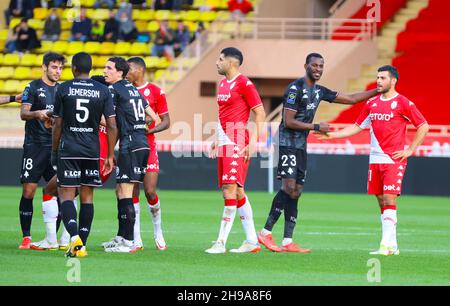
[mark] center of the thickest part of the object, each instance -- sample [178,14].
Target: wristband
[12,98]
[316,127]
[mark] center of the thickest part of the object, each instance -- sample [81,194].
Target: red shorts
[153,162]
[385,178]
[103,138]
[231,166]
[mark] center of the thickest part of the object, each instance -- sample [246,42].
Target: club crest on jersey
[146,92]
[394,104]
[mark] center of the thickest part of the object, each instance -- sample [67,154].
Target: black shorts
[36,163]
[77,172]
[132,165]
[292,164]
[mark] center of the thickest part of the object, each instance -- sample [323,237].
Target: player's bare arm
[111,132]
[291,123]
[346,132]
[162,126]
[418,139]
[356,97]
[26,113]
[151,114]
[260,117]
[10,99]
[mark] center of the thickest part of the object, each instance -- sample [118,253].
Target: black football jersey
[304,100]
[40,96]
[130,108]
[81,103]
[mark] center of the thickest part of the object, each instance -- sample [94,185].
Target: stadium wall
[326,173]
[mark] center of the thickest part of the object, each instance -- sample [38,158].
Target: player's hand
[19,98]
[322,136]
[403,155]
[213,150]
[247,152]
[324,127]
[42,115]
[108,165]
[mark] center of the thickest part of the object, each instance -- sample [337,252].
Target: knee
[150,194]
[229,191]
[292,191]
[28,193]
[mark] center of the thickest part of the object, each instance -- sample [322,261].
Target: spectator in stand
[81,29]
[141,3]
[198,33]
[164,39]
[59,3]
[97,31]
[111,32]
[11,41]
[239,8]
[19,8]
[109,3]
[163,5]
[52,27]
[126,7]
[27,39]
[182,38]
[127,30]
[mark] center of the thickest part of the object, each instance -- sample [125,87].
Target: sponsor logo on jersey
[139,126]
[381,117]
[390,187]
[81,130]
[72,174]
[223,98]
[42,95]
[138,170]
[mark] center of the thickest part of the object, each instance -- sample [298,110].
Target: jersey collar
[143,86]
[395,96]
[234,79]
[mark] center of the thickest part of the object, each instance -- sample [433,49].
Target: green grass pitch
[341,229]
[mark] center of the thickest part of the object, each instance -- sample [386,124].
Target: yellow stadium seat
[1,58]
[11,59]
[163,63]
[22,73]
[46,46]
[6,72]
[66,74]
[14,22]
[192,26]
[87,3]
[106,48]
[60,46]
[91,47]
[65,35]
[199,3]
[141,25]
[66,25]
[99,61]
[36,24]
[223,4]
[176,15]
[11,86]
[192,15]
[122,48]
[4,34]
[24,84]
[38,60]
[68,60]
[151,61]
[28,59]
[153,26]
[162,15]
[1,85]
[208,16]
[2,44]
[159,74]
[75,47]
[70,14]
[173,24]
[139,48]
[36,73]
[98,71]
[40,13]
[100,14]
[145,15]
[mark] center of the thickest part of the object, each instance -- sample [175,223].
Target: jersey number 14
[139,112]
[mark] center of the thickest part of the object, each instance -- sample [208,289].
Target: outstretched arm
[356,97]
[10,99]
[346,132]
[163,125]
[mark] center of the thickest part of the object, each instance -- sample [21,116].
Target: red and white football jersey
[156,98]
[387,119]
[235,98]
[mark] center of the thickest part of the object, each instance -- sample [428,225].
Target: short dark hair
[53,57]
[311,55]
[391,69]
[82,62]
[138,61]
[100,79]
[233,52]
[121,65]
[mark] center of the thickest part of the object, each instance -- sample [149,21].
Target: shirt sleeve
[58,107]
[411,113]
[161,103]
[363,120]
[108,105]
[28,95]
[327,94]
[291,98]
[251,95]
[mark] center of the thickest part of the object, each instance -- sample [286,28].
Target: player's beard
[383,90]
[51,79]
[311,76]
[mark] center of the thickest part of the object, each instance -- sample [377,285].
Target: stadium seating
[423,64]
